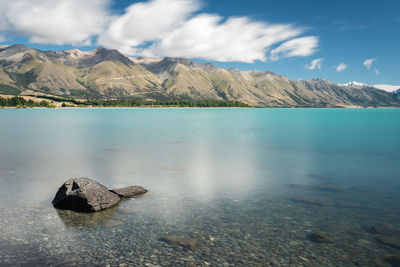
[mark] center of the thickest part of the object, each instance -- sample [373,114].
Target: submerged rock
[112,223]
[331,188]
[320,238]
[394,260]
[311,201]
[129,191]
[129,211]
[188,243]
[86,195]
[389,241]
[321,187]
[385,230]
[344,204]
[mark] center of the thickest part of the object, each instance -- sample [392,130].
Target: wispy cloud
[351,27]
[368,62]
[343,25]
[341,67]
[299,47]
[154,28]
[315,64]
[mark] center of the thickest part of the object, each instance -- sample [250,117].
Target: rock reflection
[108,217]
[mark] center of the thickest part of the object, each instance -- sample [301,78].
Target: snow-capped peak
[354,83]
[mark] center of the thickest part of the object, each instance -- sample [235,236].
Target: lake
[254,186]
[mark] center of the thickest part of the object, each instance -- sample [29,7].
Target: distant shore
[177,107]
[49,101]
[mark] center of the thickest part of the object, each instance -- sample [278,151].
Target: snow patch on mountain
[385,87]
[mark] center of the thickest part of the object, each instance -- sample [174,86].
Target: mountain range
[103,73]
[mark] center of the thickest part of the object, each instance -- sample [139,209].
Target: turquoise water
[231,178]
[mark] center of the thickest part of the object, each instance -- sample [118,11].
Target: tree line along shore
[53,102]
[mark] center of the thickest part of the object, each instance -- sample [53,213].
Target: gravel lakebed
[260,231]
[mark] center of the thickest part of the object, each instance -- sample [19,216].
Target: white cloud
[147,30]
[237,39]
[341,67]
[368,62]
[315,64]
[156,28]
[55,21]
[2,23]
[303,46]
[146,22]
[376,71]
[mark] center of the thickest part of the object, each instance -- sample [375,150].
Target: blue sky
[350,32]
[281,36]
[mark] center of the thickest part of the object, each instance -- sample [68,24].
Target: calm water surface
[250,184]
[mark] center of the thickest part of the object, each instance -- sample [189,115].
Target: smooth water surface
[250,184]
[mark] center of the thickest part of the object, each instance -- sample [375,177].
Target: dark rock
[84,194]
[320,238]
[390,241]
[129,191]
[311,201]
[394,260]
[188,243]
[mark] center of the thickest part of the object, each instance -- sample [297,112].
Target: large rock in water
[84,194]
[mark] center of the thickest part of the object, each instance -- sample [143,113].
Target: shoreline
[176,107]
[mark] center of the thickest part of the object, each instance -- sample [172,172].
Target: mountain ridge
[104,73]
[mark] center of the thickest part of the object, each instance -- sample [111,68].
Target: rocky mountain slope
[103,73]
[336,94]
